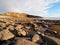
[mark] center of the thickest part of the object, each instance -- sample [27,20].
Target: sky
[55,10]
[44,8]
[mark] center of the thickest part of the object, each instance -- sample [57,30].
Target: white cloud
[36,7]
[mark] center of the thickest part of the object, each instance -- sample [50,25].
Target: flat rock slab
[57,40]
[23,41]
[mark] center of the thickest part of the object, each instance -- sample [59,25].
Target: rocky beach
[24,29]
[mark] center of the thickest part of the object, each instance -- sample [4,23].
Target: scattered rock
[10,27]
[36,38]
[18,27]
[23,32]
[20,30]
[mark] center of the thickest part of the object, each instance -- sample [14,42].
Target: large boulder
[5,35]
[20,30]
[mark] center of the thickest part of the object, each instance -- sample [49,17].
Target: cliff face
[14,14]
[19,16]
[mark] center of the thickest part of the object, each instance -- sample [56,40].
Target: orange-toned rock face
[14,14]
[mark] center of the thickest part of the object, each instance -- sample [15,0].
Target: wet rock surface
[29,31]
